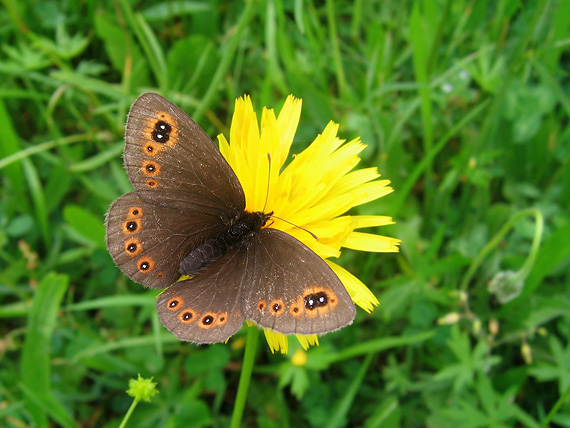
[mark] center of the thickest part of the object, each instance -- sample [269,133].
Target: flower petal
[287,122]
[276,341]
[372,243]
[359,293]
[307,341]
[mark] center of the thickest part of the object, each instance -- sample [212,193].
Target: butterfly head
[248,223]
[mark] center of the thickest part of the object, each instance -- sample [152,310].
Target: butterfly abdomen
[240,229]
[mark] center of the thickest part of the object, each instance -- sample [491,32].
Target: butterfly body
[187,216]
[242,227]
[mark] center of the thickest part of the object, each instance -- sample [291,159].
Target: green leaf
[121,47]
[36,354]
[85,224]
[168,10]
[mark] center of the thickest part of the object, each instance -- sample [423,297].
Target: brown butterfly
[187,216]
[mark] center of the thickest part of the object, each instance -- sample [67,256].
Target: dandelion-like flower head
[312,192]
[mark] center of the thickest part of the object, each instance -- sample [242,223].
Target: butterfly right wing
[185,189]
[293,290]
[149,234]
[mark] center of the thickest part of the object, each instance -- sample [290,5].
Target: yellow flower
[312,192]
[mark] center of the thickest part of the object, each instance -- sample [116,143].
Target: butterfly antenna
[268,179]
[299,227]
[274,216]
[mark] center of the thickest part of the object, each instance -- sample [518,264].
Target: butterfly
[186,218]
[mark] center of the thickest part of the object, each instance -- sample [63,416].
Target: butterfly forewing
[166,150]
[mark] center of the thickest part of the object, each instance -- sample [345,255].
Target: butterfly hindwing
[272,279]
[208,307]
[149,237]
[291,289]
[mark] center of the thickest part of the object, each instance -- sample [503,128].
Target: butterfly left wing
[208,307]
[291,289]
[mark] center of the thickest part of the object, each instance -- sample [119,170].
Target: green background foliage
[463,105]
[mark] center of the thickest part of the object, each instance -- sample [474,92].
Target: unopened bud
[476,326]
[493,327]
[526,352]
[450,318]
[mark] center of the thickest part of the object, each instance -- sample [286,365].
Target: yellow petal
[287,122]
[359,293]
[276,341]
[307,341]
[372,243]
[361,221]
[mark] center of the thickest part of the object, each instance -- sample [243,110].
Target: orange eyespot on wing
[261,305]
[162,131]
[134,212]
[175,303]
[133,246]
[145,264]
[151,183]
[297,308]
[131,227]
[277,307]
[150,168]
[188,316]
[319,301]
[152,149]
[222,319]
[208,320]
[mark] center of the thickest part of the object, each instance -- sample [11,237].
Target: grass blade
[35,363]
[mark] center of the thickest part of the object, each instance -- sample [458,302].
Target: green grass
[463,105]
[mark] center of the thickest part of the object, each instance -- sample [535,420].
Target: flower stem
[563,398]
[497,239]
[129,413]
[245,376]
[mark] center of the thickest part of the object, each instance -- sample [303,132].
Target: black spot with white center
[208,320]
[187,315]
[316,300]
[132,226]
[276,307]
[145,265]
[174,303]
[163,127]
[150,167]
[161,133]
[132,248]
